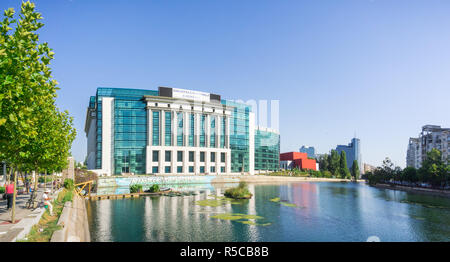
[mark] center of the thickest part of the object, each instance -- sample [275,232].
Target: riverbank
[275,179]
[437,192]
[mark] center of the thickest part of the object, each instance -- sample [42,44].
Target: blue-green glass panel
[155,127]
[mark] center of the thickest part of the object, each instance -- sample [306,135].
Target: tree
[34,135]
[355,170]
[334,163]
[343,169]
[433,169]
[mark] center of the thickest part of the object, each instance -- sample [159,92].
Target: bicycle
[32,203]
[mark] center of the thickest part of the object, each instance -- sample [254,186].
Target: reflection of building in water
[104,220]
[305,195]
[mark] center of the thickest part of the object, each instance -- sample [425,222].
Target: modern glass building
[352,152]
[168,131]
[267,150]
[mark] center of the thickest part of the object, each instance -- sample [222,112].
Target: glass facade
[155,127]
[212,142]
[168,128]
[267,150]
[191,129]
[129,130]
[239,136]
[180,135]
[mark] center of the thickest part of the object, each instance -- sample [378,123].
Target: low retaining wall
[126,181]
[74,221]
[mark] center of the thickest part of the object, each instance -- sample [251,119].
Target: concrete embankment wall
[74,222]
[122,181]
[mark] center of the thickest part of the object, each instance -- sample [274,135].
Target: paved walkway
[9,231]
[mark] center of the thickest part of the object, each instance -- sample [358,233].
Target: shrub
[68,184]
[2,190]
[136,188]
[154,188]
[241,191]
[44,179]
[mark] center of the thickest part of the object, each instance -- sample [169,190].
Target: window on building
[191,129]
[202,156]
[167,169]
[180,129]
[180,156]
[191,156]
[213,169]
[202,131]
[155,156]
[202,169]
[179,169]
[213,156]
[155,170]
[222,169]
[191,169]
[212,140]
[222,157]
[168,156]
[155,127]
[168,129]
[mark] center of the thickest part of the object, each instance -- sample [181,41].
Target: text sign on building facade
[189,94]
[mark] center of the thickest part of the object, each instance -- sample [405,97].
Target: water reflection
[325,212]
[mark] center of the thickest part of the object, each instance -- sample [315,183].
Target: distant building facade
[291,160]
[352,152]
[267,150]
[432,136]
[368,168]
[310,150]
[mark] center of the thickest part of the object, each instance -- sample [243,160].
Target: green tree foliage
[334,163]
[343,168]
[34,134]
[355,170]
[434,171]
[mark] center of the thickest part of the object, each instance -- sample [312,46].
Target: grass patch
[43,231]
[241,218]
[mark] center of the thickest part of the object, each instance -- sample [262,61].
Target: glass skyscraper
[168,131]
[352,152]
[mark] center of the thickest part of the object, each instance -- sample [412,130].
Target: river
[300,211]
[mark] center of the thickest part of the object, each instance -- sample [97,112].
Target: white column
[251,151]
[197,161]
[107,107]
[197,130]
[217,145]
[227,132]
[162,128]
[186,161]
[207,130]
[174,141]
[228,162]
[148,157]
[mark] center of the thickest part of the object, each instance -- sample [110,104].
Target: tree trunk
[13,213]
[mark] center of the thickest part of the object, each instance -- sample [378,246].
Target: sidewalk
[25,218]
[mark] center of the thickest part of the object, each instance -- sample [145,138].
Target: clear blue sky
[377,68]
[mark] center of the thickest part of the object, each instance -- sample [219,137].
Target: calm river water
[307,211]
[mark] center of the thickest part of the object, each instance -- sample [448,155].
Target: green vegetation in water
[238,192]
[215,202]
[283,202]
[288,204]
[276,199]
[241,218]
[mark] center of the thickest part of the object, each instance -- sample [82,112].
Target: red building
[298,160]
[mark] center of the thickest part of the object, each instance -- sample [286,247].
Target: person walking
[9,195]
[46,199]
